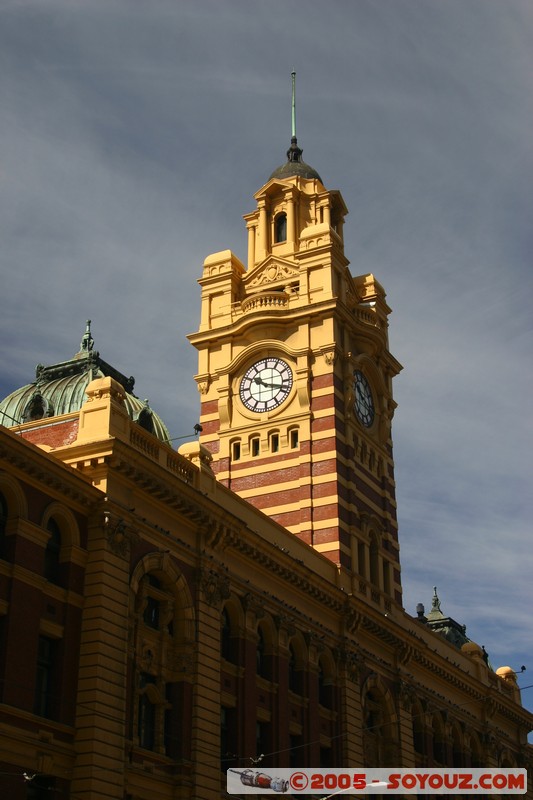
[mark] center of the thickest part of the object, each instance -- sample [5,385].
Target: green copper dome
[60,389]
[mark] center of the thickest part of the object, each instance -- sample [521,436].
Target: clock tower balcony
[266,301]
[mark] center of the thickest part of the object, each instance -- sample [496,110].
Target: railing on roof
[161,452]
[266,301]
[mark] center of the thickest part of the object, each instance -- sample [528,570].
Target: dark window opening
[262,744]
[294,438]
[297,753]
[386,578]
[255,447]
[151,613]
[146,722]
[44,678]
[281,228]
[374,563]
[51,555]
[35,409]
[274,442]
[226,640]
[145,420]
[3,525]
[41,787]
[228,747]
[324,688]
[361,558]
[261,658]
[295,674]
[236,451]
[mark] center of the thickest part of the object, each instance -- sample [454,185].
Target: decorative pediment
[270,272]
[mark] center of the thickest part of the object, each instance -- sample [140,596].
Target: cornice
[286,571]
[37,465]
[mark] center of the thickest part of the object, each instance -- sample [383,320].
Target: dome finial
[87,342]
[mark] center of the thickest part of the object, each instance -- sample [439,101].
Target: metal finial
[87,342]
[293,105]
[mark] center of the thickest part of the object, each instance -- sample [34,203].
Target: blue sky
[133,137]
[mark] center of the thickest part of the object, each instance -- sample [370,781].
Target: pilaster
[101,706]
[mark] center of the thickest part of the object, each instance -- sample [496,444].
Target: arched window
[226,639]
[457,747]
[36,408]
[439,743]
[162,621]
[146,718]
[51,554]
[293,438]
[152,608]
[476,752]
[260,653]
[378,730]
[45,696]
[3,525]
[361,558]
[146,420]
[374,561]
[325,684]
[295,672]
[386,577]
[280,233]
[419,739]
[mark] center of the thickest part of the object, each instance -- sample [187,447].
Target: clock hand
[260,382]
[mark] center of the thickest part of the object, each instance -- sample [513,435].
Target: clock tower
[295,377]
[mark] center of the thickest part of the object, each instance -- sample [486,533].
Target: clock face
[266,384]
[363,403]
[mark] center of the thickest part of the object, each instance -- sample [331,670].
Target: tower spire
[294,153]
[295,165]
[293,105]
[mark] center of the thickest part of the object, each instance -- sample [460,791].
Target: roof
[60,389]
[295,166]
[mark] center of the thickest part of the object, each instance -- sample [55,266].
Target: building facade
[166,615]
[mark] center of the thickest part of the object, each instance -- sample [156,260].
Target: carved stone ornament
[330,355]
[405,653]
[272,273]
[253,604]
[120,536]
[214,586]
[352,663]
[406,695]
[352,618]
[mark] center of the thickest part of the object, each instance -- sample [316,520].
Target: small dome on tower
[60,389]
[295,166]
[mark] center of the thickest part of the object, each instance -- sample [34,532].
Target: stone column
[407,756]
[351,712]
[205,734]
[262,244]
[102,682]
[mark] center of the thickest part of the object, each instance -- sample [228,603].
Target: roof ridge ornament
[435,605]
[87,342]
